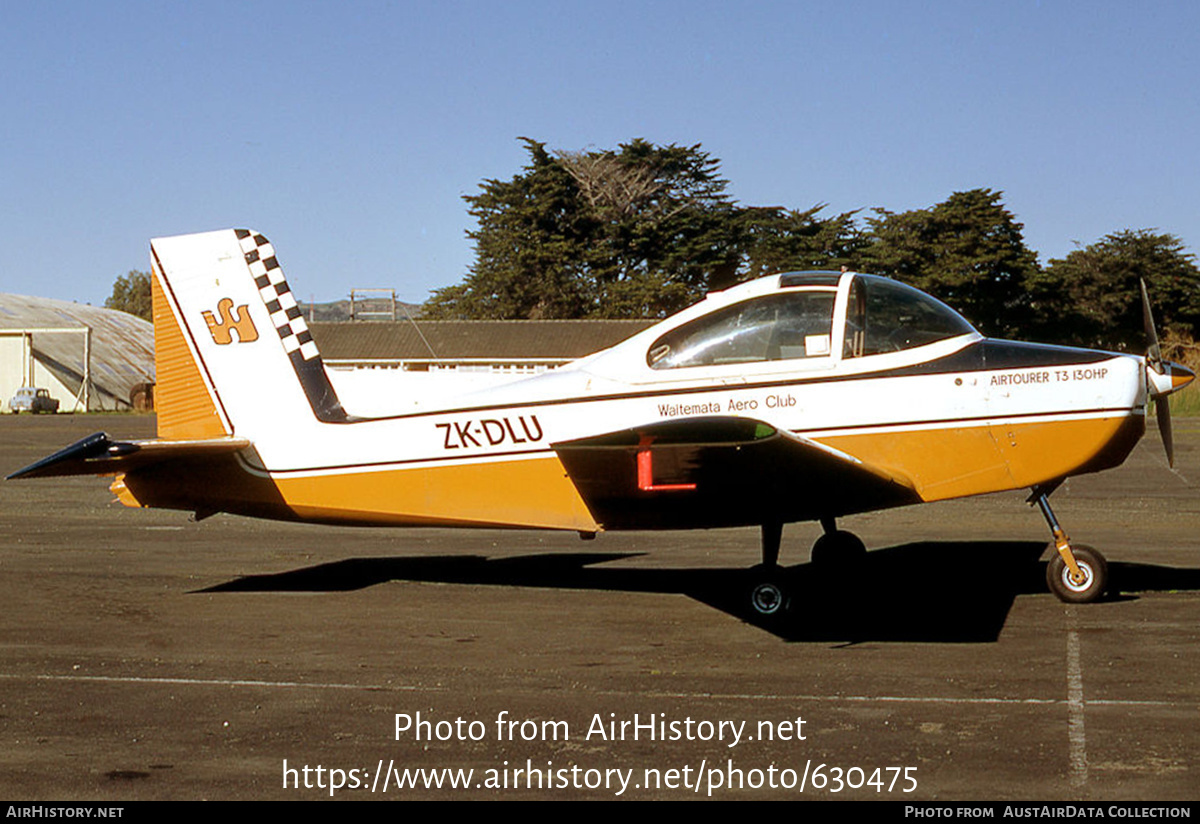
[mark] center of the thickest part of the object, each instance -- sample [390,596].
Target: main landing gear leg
[767,596]
[772,535]
[837,546]
[1077,574]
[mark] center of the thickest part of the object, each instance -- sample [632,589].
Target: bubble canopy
[797,322]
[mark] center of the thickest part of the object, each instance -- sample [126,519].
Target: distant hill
[339,310]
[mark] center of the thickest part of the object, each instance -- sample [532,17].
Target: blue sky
[349,133]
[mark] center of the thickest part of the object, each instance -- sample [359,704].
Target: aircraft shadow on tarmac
[951,592]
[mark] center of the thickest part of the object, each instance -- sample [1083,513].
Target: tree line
[644,230]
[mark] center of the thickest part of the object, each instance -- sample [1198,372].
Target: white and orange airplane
[805,396]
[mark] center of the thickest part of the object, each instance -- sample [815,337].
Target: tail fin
[232,350]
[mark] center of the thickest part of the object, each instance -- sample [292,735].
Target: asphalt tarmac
[145,656]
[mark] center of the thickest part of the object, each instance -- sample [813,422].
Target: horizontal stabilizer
[97,454]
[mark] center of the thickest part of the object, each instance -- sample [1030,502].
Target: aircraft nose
[1171,378]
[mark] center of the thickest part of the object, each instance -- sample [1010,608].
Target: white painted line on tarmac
[1076,732]
[898,699]
[219,682]
[697,696]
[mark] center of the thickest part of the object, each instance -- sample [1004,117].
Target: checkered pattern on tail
[273,287]
[293,331]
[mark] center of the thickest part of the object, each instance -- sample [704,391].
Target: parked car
[30,399]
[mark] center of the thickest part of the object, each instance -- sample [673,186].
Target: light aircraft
[794,397]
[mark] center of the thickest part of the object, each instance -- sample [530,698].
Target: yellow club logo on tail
[242,323]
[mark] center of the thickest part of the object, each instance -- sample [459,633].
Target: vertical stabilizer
[233,353]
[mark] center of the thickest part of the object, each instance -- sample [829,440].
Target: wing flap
[98,454]
[721,471]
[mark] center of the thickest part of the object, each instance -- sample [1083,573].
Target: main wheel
[838,547]
[1095,575]
[768,598]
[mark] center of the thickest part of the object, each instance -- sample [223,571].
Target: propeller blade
[1153,353]
[1154,361]
[1162,408]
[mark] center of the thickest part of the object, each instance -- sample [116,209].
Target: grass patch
[1186,402]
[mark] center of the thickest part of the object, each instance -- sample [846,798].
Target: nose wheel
[1088,585]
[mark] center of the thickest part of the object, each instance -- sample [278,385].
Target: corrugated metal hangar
[87,356]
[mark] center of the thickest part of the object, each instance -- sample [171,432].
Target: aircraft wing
[97,454]
[721,471]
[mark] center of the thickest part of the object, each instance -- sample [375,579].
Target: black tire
[1091,564]
[838,548]
[768,599]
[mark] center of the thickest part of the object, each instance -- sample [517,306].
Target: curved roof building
[87,356]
